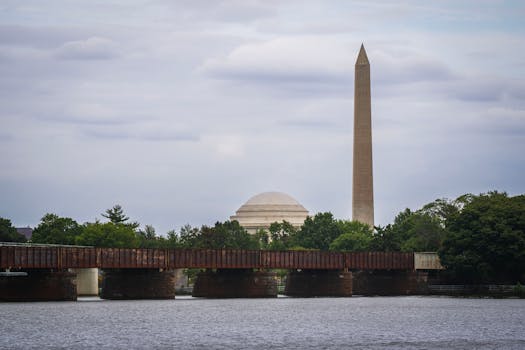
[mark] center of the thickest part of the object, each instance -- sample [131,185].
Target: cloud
[487,89]
[303,60]
[6,136]
[140,132]
[93,48]
[315,64]
[42,37]
[228,146]
[202,104]
[223,10]
[410,67]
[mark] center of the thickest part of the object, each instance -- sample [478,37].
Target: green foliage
[222,235]
[108,235]
[116,215]
[486,239]
[149,239]
[172,240]
[8,233]
[422,230]
[356,236]
[56,230]
[281,235]
[263,238]
[231,234]
[318,232]
[385,239]
[188,237]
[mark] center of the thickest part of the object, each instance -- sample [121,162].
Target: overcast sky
[180,111]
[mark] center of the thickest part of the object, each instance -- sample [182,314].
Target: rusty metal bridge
[64,257]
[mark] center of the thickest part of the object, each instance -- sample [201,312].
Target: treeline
[479,238]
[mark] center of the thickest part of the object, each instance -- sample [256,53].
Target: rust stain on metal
[80,257]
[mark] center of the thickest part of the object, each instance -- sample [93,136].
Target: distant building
[266,208]
[26,231]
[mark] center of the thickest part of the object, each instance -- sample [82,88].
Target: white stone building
[266,208]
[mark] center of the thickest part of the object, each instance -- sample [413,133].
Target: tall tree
[108,235]
[53,229]
[8,233]
[281,235]
[228,234]
[355,236]
[318,232]
[485,241]
[422,230]
[116,215]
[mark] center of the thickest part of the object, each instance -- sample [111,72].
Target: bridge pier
[390,282]
[119,284]
[319,283]
[87,281]
[39,285]
[235,283]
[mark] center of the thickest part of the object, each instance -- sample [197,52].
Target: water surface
[291,323]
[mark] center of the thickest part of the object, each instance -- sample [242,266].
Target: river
[290,323]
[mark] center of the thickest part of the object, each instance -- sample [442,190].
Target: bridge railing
[84,257]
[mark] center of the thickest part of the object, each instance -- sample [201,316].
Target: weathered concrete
[138,284]
[235,283]
[392,282]
[318,283]
[39,285]
[362,186]
[87,281]
[427,261]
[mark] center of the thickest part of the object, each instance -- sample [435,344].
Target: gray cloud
[93,48]
[149,135]
[180,111]
[6,136]
[42,37]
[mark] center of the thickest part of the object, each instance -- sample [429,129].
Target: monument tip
[362,58]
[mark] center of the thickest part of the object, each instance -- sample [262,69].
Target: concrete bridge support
[319,283]
[39,285]
[235,283]
[119,284]
[87,281]
[393,282]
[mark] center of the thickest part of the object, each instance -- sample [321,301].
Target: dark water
[319,323]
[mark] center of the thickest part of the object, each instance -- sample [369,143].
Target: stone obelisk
[363,184]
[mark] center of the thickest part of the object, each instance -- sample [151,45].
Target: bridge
[148,273]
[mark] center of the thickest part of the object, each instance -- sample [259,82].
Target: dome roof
[266,208]
[271,198]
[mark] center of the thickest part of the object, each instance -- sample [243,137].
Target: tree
[356,236]
[108,235]
[318,232]
[485,241]
[8,233]
[281,235]
[228,234]
[385,239]
[232,235]
[188,236]
[149,239]
[116,215]
[422,230]
[148,232]
[173,240]
[56,230]
[263,238]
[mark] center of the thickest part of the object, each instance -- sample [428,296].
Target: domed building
[266,208]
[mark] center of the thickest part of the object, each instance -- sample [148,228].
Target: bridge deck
[61,257]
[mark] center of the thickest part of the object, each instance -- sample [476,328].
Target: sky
[180,111]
